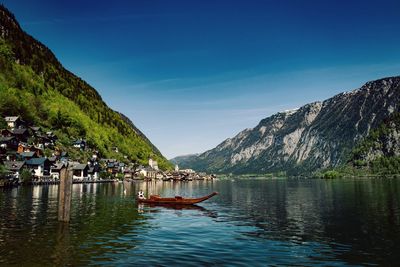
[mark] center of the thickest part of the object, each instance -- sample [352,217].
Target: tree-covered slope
[379,151]
[34,85]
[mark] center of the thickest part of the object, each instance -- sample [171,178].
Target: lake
[303,222]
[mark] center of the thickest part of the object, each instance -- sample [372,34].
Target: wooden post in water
[65,195]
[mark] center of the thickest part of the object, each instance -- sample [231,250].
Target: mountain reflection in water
[258,222]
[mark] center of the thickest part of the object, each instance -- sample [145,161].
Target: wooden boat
[178,200]
[176,206]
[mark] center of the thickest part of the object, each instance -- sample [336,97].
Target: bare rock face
[315,136]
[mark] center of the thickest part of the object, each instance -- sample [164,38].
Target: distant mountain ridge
[182,159]
[316,136]
[35,85]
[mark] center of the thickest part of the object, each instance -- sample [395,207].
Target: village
[23,161]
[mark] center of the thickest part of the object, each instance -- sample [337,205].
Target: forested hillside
[35,86]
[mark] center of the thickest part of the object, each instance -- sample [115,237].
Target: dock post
[65,195]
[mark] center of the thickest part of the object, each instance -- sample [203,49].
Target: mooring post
[65,195]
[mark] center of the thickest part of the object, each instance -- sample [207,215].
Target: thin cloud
[72,20]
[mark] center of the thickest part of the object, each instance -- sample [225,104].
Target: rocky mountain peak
[317,135]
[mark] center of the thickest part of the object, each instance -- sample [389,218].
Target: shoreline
[12,184]
[9,184]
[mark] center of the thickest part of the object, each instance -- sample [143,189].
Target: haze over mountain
[316,136]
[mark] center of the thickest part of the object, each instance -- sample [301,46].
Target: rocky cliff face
[315,136]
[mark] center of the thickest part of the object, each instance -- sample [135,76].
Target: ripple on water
[257,223]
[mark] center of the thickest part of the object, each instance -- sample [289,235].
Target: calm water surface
[251,222]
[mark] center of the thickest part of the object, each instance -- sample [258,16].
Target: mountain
[316,136]
[379,152]
[34,85]
[184,160]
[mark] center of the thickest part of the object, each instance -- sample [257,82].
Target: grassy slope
[34,85]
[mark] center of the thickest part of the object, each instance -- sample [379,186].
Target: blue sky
[193,73]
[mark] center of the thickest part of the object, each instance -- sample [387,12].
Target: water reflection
[29,220]
[360,217]
[170,188]
[258,222]
[62,249]
[178,209]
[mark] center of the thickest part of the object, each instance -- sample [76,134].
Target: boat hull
[175,200]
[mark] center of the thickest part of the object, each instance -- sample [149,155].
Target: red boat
[178,200]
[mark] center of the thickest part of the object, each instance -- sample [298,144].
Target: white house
[159,175]
[143,172]
[80,171]
[55,170]
[188,171]
[12,122]
[40,166]
[153,164]
[93,170]
[81,144]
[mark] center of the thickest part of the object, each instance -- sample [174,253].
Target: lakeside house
[13,121]
[22,147]
[153,164]
[95,155]
[93,172]
[27,155]
[8,142]
[40,166]
[36,130]
[187,171]
[141,171]
[111,168]
[81,144]
[146,172]
[9,155]
[129,173]
[53,160]
[160,175]
[21,134]
[121,167]
[64,157]
[80,171]
[151,173]
[14,168]
[6,132]
[55,170]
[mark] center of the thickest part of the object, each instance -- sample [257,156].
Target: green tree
[5,50]
[26,176]
[3,171]
[105,175]
[61,120]
[331,174]
[119,176]
[3,123]
[44,94]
